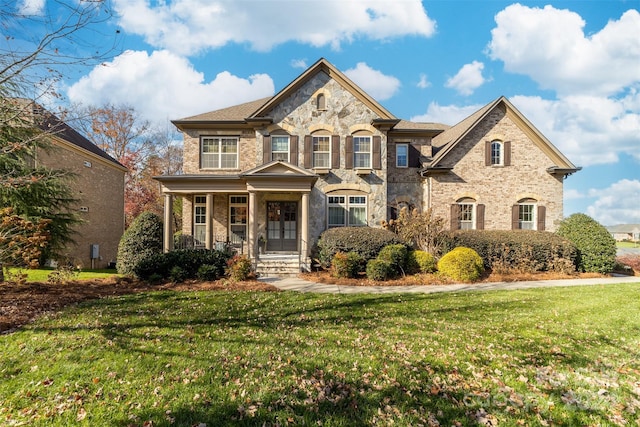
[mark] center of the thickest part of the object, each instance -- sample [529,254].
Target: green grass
[627,244]
[41,274]
[555,356]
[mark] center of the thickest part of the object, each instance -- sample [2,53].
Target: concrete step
[277,265]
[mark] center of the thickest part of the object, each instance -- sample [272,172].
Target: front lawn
[42,274]
[550,356]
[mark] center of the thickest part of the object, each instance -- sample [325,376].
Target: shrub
[462,264]
[365,241]
[178,274]
[420,262]
[596,246]
[189,260]
[142,239]
[516,250]
[421,230]
[378,269]
[239,268]
[207,272]
[396,256]
[631,261]
[346,265]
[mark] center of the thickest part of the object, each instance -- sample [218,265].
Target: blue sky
[572,67]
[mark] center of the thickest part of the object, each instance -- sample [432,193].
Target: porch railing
[220,242]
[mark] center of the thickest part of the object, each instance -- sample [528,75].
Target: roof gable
[450,138]
[322,65]
[278,167]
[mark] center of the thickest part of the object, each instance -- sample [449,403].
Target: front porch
[262,213]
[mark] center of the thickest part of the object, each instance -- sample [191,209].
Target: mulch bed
[22,303]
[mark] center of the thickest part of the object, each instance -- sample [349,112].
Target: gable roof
[60,129]
[447,140]
[236,113]
[322,65]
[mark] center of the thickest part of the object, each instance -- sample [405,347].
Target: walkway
[299,285]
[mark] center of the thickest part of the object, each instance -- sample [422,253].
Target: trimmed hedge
[522,250]
[346,265]
[378,269]
[142,239]
[463,264]
[365,241]
[420,262]
[396,256]
[596,246]
[183,264]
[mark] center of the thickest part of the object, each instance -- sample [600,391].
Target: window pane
[321,152]
[336,216]
[362,151]
[402,155]
[496,149]
[362,160]
[357,216]
[321,143]
[280,143]
[526,217]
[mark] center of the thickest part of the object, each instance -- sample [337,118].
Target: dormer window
[321,102]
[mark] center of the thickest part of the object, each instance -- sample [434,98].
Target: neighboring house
[99,188]
[322,153]
[625,232]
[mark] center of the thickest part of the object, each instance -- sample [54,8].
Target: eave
[555,170]
[431,171]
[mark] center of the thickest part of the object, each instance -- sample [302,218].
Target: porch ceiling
[201,184]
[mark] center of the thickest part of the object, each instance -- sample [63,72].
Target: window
[321,102]
[345,211]
[199,219]
[402,155]
[238,214]
[526,216]
[496,153]
[321,151]
[362,152]
[219,153]
[280,148]
[466,216]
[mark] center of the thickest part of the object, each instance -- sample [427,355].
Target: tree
[38,47]
[141,240]
[596,247]
[423,230]
[21,240]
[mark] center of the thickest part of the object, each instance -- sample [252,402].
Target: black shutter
[376,152]
[542,211]
[479,217]
[266,149]
[335,151]
[293,150]
[308,153]
[348,153]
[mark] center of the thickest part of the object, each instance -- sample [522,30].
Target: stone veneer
[498,187]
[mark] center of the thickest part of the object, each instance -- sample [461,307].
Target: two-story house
[98,186]
[273,174]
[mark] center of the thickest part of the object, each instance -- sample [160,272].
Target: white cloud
[468,79]
[299,63]
[589,130]
[617,204]
[164,86]
[190,26]
[447,114]
[424,82]
[374,82]
[30,7]
[549,45]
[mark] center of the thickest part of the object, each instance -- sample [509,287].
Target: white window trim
[237,205]
[199,225]
[534,216]
[346,205]
[473,219]
[370,152]
[406,156]
[501,145]
[219,153]
[288,151]
[313,152]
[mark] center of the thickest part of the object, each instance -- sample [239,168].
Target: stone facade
[99,187]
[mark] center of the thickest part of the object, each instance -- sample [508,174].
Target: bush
[517,250]
[365,241]
[239,268]
[378,270]
[189,260]
[177,274]
[142,239]
[346,265]
[461,264]
[420,262]
[207,272]
[596,246]
[396,256]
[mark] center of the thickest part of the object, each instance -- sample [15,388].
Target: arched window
[497,153]
[321,102]
[525,214]
[467,214]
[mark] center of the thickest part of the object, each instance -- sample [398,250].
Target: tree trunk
[1,273]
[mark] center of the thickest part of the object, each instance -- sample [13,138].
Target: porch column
[304,226]
[253,225]
[167,244]
[208,222]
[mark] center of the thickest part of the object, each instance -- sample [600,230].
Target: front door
[282,226]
